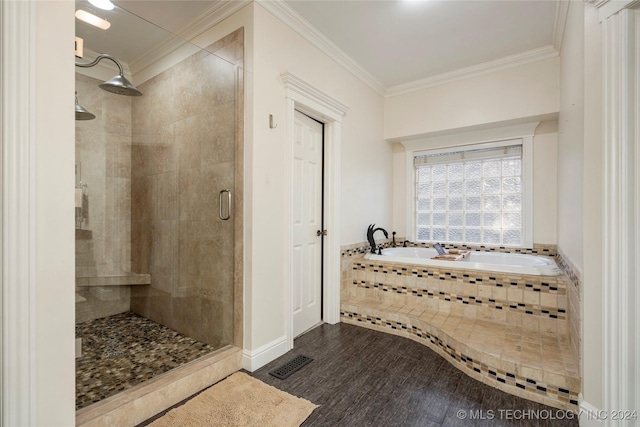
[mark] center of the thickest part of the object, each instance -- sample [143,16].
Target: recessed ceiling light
[92,19]
[102,4]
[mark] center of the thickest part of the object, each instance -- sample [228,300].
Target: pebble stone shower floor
[121,351]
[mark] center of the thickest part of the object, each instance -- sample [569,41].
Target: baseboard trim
[255,359]
[589,415]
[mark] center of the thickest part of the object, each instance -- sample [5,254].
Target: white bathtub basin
[484,261]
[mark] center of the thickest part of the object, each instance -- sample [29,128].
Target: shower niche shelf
[124,279]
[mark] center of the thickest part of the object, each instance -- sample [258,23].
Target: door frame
[322,107]
[298,198]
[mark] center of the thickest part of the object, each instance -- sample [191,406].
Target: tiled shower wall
[103,161]
[183,154]
[103,153]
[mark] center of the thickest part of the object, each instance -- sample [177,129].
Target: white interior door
[307,221]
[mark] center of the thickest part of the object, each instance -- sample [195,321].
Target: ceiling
[402,41]
[395,41]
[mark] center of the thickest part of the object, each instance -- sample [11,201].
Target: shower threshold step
[123,279]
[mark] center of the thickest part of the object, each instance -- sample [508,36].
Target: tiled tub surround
[507,330]
[363,248]
[574,297]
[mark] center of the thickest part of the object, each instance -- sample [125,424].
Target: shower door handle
[221,202]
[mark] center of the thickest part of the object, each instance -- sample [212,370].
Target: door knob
[321,233]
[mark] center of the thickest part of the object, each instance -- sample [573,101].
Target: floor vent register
[290,367]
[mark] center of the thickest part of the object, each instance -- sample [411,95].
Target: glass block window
[472,196]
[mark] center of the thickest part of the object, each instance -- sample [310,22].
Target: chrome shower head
[82,113]
[118,84]
[121,86]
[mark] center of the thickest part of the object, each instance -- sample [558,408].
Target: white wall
[570,141]
[591,310]
[545,173]
[399,189]
[54,216]
[528,92]
[524,91]
[365,166]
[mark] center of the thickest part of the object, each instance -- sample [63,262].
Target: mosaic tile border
[572,272]
[574,295]
[542,284]
[534,388]
[538,248]
[530,309]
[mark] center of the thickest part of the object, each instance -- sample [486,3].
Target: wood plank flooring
[361,377]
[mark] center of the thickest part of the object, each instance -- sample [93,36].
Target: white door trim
[307,222]
[307,99]
[17,144]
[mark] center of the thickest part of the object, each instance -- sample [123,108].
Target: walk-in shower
[157,268]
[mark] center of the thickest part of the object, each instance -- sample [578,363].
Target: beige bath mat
[239,400]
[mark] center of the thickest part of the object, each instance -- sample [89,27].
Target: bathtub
[484,261]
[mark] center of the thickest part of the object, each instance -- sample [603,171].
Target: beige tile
[530,297]
[529,372]
[124,416]
[470,290]
[548,325]
[515,295]
[470,311]
[499,294]
[548,300]
[485,291]
[444,306]
[530,327]
[499,316]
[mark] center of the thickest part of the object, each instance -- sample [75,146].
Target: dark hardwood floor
[361,377]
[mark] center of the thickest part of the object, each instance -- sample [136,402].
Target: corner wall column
[18,223]
[621,363]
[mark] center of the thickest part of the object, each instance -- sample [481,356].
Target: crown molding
[521,58]
[285,13]
[562,9]
[155,55]
[596,3]
[290,17]
[607,8]
[212,16]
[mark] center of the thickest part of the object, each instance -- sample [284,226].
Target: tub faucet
[393,237]
[404,244]
[370,232]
